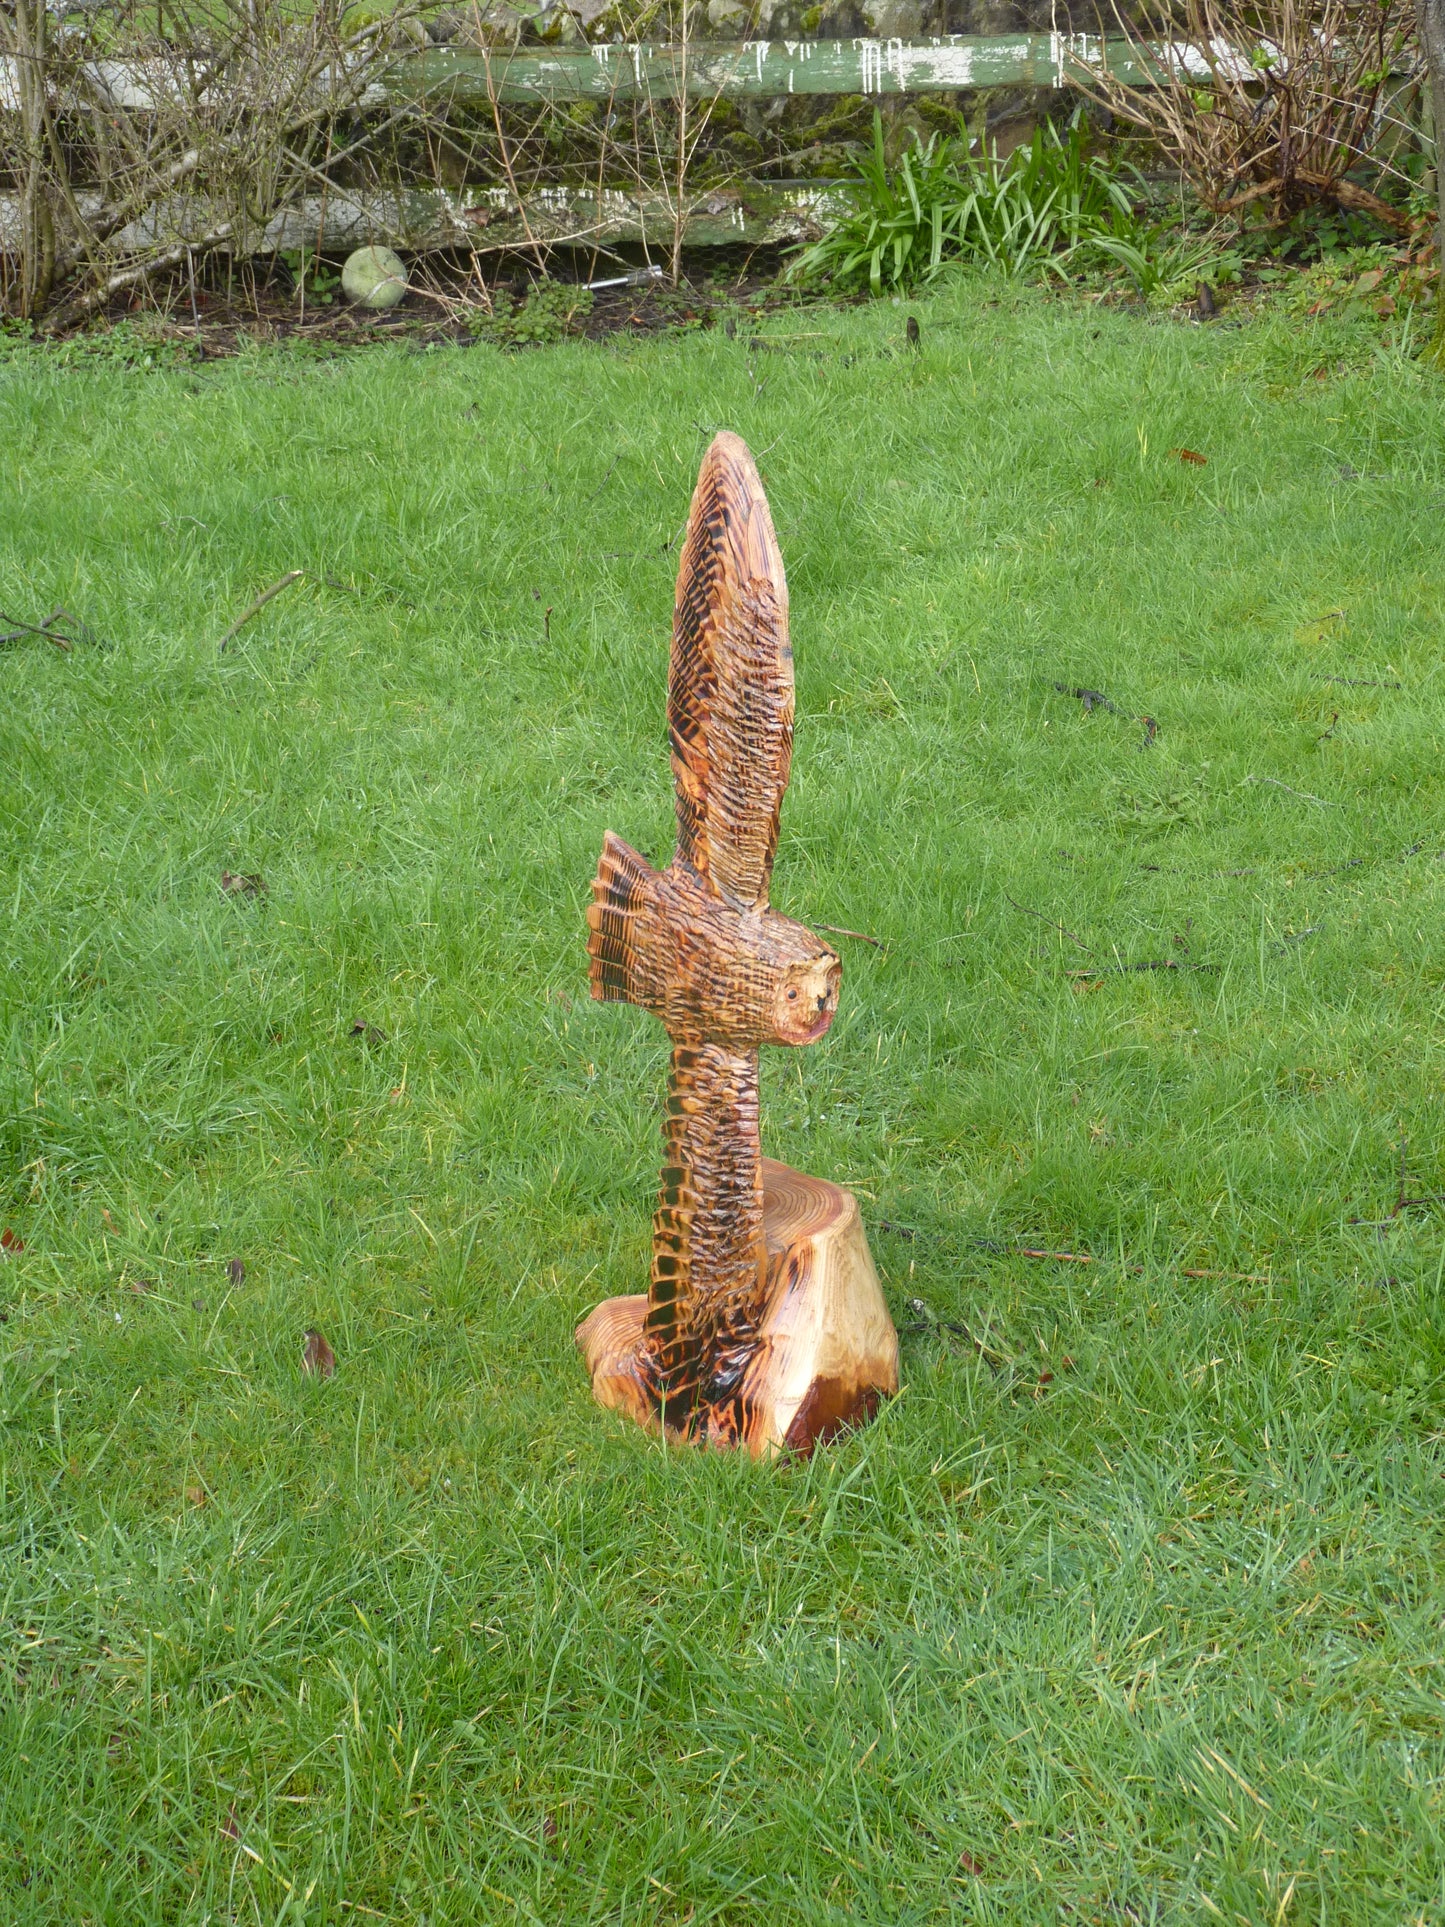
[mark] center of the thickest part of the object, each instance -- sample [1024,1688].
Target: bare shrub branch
[1258,100]
[198,127]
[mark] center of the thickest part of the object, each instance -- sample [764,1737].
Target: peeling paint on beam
[744,70]
[762,69]
[485,219]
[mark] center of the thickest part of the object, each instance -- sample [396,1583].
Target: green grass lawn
[1129,1607]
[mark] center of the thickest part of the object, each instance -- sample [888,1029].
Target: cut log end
[826,1354]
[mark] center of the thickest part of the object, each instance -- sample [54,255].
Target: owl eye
[793,996]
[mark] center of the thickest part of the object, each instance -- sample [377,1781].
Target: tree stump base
[827,1351]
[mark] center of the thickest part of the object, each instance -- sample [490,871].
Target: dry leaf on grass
[236,885]
[236,1271]
[10,1244]
[317,1356]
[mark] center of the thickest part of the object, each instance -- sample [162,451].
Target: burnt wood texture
[698,945]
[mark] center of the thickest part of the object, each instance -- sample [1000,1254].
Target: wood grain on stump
[826,1350]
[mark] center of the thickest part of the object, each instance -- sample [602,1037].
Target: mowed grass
[1129,1607]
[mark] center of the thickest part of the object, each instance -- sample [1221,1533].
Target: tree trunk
[37,221]
[1431,17]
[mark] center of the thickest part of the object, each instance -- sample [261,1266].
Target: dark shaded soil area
[264,301]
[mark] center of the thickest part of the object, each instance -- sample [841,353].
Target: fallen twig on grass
[1174,870]
[1049,920]
[1088,1258]
[859,936]
[1096,699]
[1303,794]
[1298,936]
[1154,963]
[1402,1202]
[1091,699]
[47,629]
[1034,1251]
[605,480]
[1356,862]
[1362,682]
[929,1321]
[292,575]
[1232,1277]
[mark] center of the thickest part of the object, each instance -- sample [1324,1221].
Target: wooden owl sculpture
[764,1325]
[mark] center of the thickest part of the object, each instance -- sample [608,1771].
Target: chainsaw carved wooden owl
[764,1324]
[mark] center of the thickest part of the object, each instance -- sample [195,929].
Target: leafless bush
[1269,101]
[138,137]
[654,146]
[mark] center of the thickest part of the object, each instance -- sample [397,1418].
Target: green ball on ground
[374,278]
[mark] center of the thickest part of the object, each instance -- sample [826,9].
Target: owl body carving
[662,940]
[698,946]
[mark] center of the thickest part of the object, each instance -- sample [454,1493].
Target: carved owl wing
[730,685]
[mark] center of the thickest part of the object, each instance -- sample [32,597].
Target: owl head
[806,999]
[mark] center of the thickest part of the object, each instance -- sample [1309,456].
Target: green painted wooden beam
[421,220]
[488,219]
[742,70]
[760,69]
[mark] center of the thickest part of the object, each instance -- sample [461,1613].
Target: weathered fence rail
[489,220]
[765,69]
[742,70]
[489,217]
